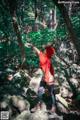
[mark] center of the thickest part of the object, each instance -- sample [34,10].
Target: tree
[69,25]
[12,7]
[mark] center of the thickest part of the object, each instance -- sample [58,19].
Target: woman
[48,70]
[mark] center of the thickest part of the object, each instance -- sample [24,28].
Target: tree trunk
[53,19]
[42,18]
[65,15]
[35,27]
[70,9]
[21,45]
[12,8]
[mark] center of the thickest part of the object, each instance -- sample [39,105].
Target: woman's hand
[33,47]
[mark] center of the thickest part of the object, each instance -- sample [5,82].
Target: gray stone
[35,81]
[39,115]
[20,103]
[25,115]
[54,116]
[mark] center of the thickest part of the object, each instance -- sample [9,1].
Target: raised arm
[33,47]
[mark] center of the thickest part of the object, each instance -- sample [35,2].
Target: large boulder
[19,103]
[35,81]
[62,104]
[39,115]
[65,90]
[5,104]
[74,81]
[25,115]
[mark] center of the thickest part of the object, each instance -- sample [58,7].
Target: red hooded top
[45,63]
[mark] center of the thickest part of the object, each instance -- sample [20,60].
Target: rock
[62,104]
[54,116]
[35,81]
[14,105]
[62,100]
[20,103]
[65,91]
[4,103]
[5,106]
[25,115]
[74,81]
[62,108]
[40,106]
[39,115]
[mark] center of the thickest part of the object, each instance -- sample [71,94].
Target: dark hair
[49,51]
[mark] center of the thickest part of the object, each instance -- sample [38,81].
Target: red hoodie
[45,63]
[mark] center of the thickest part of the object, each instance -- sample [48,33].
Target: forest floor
[19,102]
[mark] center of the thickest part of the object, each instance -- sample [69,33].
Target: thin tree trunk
[70,9]
[35,28]
[12,8]
[41,15]
[21,45]
[69,25]
[55,19]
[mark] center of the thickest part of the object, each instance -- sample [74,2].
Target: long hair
[50,51]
